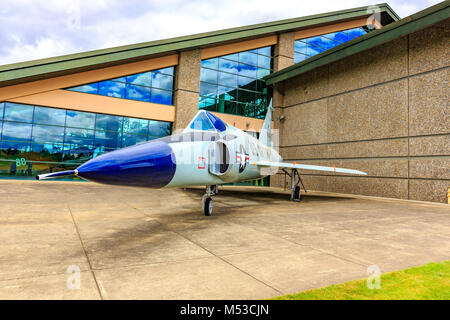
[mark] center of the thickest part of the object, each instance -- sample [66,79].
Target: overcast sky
[34,29]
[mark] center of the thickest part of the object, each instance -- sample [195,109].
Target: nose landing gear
[207,200]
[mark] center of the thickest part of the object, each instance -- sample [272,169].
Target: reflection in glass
[309,47]
[143,79]
[108,139]
[2,104]
[236,72]
[79,136]
[208,75]
[135,126]
[135,87]
[162,81]
[112,89]
[159,128]
[137,93]
[43,133]
[50,152]
[80,119]
[87,88]
[62,139]
[16,131]
[108,122]
[161,96]
[227,79]
[51,116]
[18,112]
[132,139]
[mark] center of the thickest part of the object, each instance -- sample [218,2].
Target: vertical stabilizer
[265,135]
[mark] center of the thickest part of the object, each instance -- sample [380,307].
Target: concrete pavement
[132,243]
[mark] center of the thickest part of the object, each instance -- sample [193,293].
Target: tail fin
[265,136]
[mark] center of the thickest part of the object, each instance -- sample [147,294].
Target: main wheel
[297,193]
[207,207]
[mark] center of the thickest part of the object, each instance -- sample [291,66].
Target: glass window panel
[108,139]
[207,89]
[228,107]
[80,119]
[265,51]
[225,93]
[264,62]
[312,50]
[260,85]
[162,81]
[298,57]
[2,104]
[354,33]
[79,136]
[108,122]
[43,133]
[227,79]
[233,57]
[300,47]
[261,73]
[159,128]
[46,152]
[87,88]
[137,93]
[51,116]
[169,71]
[18,112]
[208,104]
[135,126]
[247,70]
[228,66]
[211,63]
[208,75]
[161,96]
[338,37]
[16,131]
[319,41]
[143,79]
[76,154]
[247,83]
[132,139]
[112,89]
[246,96]
[245,109]
[14,150]
[248,58]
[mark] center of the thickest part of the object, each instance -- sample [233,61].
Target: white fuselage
[227,159]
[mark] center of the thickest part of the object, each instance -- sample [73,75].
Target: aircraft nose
[150,164]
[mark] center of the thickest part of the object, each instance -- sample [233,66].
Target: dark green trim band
[370,40]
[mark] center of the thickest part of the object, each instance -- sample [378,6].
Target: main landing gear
[207,200]
[295,188]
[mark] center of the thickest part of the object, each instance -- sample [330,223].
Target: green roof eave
[67,64]
[401,28]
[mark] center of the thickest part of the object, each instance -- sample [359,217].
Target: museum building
[357,88]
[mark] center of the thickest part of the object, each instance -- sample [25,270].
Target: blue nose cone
[150,164]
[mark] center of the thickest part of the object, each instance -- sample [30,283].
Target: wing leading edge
[306,167]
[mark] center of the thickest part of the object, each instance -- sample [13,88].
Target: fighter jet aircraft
[209,152]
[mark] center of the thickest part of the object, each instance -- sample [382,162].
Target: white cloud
[34,29]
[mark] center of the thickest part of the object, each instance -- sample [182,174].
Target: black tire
[297,193]
[207,207]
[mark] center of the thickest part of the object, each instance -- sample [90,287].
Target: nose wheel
[207,200]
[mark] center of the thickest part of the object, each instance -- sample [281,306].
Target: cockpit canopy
[206,121]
